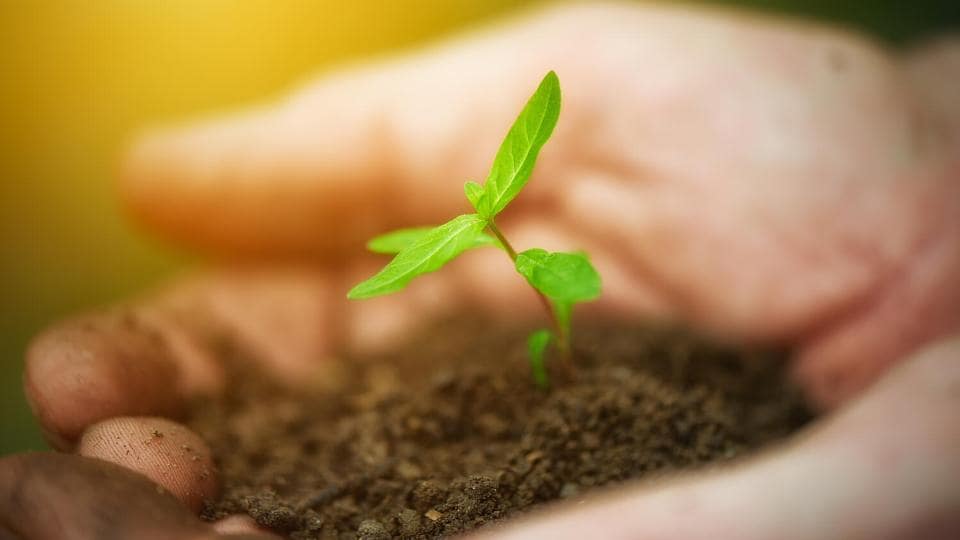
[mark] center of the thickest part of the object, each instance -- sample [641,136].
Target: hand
[764,181]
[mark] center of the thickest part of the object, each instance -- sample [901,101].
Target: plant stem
[503,241]
[563,338]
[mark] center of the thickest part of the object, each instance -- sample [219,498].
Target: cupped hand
[764,181]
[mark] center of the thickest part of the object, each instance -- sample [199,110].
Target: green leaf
[562,277]
[431,251]
[536,345]
[517,154]
[396,241]
[474,192]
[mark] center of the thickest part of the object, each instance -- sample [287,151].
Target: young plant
[560,279]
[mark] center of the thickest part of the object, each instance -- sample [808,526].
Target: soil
[449,433]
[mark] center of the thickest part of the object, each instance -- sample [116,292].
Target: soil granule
[449,433]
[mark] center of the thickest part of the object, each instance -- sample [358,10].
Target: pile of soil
[449,434]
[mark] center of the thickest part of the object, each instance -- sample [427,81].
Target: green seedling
[561,280]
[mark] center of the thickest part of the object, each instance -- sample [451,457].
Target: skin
[765,181]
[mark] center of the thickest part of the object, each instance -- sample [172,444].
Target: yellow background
[78,78]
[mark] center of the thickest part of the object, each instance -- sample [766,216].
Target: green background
[78,78]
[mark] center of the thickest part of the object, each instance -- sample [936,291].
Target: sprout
[560,279]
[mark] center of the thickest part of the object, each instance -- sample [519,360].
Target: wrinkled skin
[762,180]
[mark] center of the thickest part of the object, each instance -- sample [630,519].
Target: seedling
[561,280]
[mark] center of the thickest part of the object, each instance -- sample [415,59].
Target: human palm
[760,180]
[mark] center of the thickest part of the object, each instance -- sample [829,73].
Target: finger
[914,308]
[362,151]
[885,467]
[147,358]
[284,319]
[164,451]
[47,496]
[95,367]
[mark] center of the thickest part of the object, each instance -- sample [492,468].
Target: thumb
[358,152]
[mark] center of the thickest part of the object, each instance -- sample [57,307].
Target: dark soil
[450,434]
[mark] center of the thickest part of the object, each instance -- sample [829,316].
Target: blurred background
[79,77]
